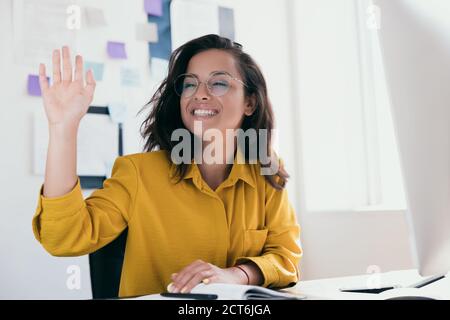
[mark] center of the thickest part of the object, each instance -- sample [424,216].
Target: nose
[202,92]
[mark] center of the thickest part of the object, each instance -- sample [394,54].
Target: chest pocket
[254,241]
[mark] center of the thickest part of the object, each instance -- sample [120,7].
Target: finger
[90,83]
[43,81]
[177,276]
[56,59]
[212,279]
[196,279]
[79,68]
[182,282]
[67,65]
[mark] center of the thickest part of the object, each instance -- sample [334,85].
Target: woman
[188,222]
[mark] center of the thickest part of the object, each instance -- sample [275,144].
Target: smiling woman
[187,223]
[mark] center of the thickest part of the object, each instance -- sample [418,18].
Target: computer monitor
[415,46]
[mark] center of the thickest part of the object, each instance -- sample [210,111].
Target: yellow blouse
[170,224]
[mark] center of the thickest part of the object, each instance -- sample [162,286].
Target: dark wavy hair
[165,116]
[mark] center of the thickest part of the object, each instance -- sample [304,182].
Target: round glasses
[218,84]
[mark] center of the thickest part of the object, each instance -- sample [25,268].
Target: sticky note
[117,111]
[130,77]
[97,69]
[95,17]
[33,86]
[116,50]
[153,7]
[226,23]
[147,32]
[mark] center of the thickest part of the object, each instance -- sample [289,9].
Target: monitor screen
[415,45]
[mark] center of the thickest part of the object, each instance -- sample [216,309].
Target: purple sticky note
[33,87]
[116,50]
[153,7]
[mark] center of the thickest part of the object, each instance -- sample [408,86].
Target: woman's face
[218,112]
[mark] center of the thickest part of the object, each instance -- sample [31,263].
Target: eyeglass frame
[205,82]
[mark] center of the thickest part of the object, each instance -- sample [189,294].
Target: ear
[250,105]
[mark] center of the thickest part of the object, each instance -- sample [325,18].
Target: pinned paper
[116,50]
[97,143]
[108,168]
[130,77]
[33,86]
[117,111]
[158,68]
[153,7]
[96,67]
[95,17]
[226,23]
[147,32]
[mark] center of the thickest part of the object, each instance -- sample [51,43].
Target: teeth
[201,112]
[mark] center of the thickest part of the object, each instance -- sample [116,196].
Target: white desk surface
[328,289]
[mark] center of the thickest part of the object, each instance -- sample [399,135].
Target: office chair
[105,264]
[105,267]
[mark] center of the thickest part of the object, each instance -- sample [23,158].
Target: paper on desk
[97,145]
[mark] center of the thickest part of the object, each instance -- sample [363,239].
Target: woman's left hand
[200,271]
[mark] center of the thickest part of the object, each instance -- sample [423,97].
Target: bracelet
[246,274]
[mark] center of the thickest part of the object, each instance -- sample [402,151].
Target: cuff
[268,270]
[63,206]
[49,209]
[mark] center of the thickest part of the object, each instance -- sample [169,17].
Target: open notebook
[232,292]
[226,291]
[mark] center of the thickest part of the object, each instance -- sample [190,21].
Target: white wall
[26,270]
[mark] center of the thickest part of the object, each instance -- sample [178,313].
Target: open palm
[67,100]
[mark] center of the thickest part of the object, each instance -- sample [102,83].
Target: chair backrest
[105,267]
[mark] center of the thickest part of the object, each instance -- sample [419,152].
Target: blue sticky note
[96,67]
[153,7]
[33,86]
[116,50]
[130,77]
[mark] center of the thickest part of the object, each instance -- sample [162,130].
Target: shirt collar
[241,170]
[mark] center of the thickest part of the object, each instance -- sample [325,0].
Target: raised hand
[67,100]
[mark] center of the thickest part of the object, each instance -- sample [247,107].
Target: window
[349,154]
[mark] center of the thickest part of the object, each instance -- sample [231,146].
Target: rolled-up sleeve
[69,225]
[279,261]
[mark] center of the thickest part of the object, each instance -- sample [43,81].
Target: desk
[328,289]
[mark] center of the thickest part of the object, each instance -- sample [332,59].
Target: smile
[204,113]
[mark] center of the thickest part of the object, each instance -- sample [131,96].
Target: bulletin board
[128,56]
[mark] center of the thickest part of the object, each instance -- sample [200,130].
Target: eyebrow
[215,71]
